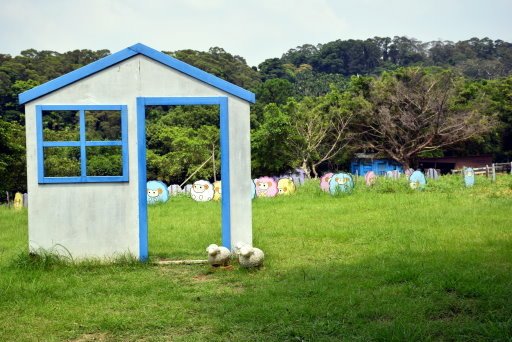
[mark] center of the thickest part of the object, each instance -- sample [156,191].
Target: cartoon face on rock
[156,192]
[202,191]
[200,187]
[263,186]
[266,187]
[285,186]
[341,182]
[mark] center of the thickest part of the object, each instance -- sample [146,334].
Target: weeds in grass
[43,259]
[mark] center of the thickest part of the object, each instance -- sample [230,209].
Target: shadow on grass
[406,295]
[446,295]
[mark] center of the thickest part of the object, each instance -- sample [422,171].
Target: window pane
[61,125]
[102,125]
[104,161]
[62,161]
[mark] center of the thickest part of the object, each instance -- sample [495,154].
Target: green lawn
[385,263]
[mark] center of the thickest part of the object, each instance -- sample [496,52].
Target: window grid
[82,143]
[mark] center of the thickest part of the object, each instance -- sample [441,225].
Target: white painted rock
[202,191]
[218,255]
[250,257]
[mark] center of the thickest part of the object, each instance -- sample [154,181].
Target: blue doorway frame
[222,102]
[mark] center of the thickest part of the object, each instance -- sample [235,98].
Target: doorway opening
[199,127]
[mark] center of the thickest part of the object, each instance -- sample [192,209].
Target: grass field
[380,264]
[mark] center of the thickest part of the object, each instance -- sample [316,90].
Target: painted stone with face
[417,181]
[202,191]
[341,182]
[285,186]
[266,187]
[156,192]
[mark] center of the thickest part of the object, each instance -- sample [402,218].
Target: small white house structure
[104,215]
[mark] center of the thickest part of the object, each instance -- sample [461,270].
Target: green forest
[316,106]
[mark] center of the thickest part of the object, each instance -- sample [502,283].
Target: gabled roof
[122,55]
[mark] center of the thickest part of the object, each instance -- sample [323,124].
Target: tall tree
[415,110]
[321,128]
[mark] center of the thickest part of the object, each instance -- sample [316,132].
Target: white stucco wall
[101,219]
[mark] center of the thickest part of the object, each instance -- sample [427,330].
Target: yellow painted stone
[18,200]
[286,186]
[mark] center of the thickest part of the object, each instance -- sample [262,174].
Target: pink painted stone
[324,181]
[370,178]
[266,187]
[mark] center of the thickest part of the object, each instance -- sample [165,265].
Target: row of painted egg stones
[204,191]
[331,182]
[343,182]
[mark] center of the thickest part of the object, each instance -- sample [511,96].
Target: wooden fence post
[493,172]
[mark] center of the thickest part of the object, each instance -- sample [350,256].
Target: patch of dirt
[201,278]
[90,337]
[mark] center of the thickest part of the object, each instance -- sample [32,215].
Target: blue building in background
[362,163]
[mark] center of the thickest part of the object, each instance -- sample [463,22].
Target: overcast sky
[253,29]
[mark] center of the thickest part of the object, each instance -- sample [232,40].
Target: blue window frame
[80,145]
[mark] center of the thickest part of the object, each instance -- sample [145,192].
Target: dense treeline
[316,105]
[475,58]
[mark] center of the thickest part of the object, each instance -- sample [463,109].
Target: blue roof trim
[122,55]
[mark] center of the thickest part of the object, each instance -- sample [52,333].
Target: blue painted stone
[341,182]
[469,177]
[157,192]
[417,180]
